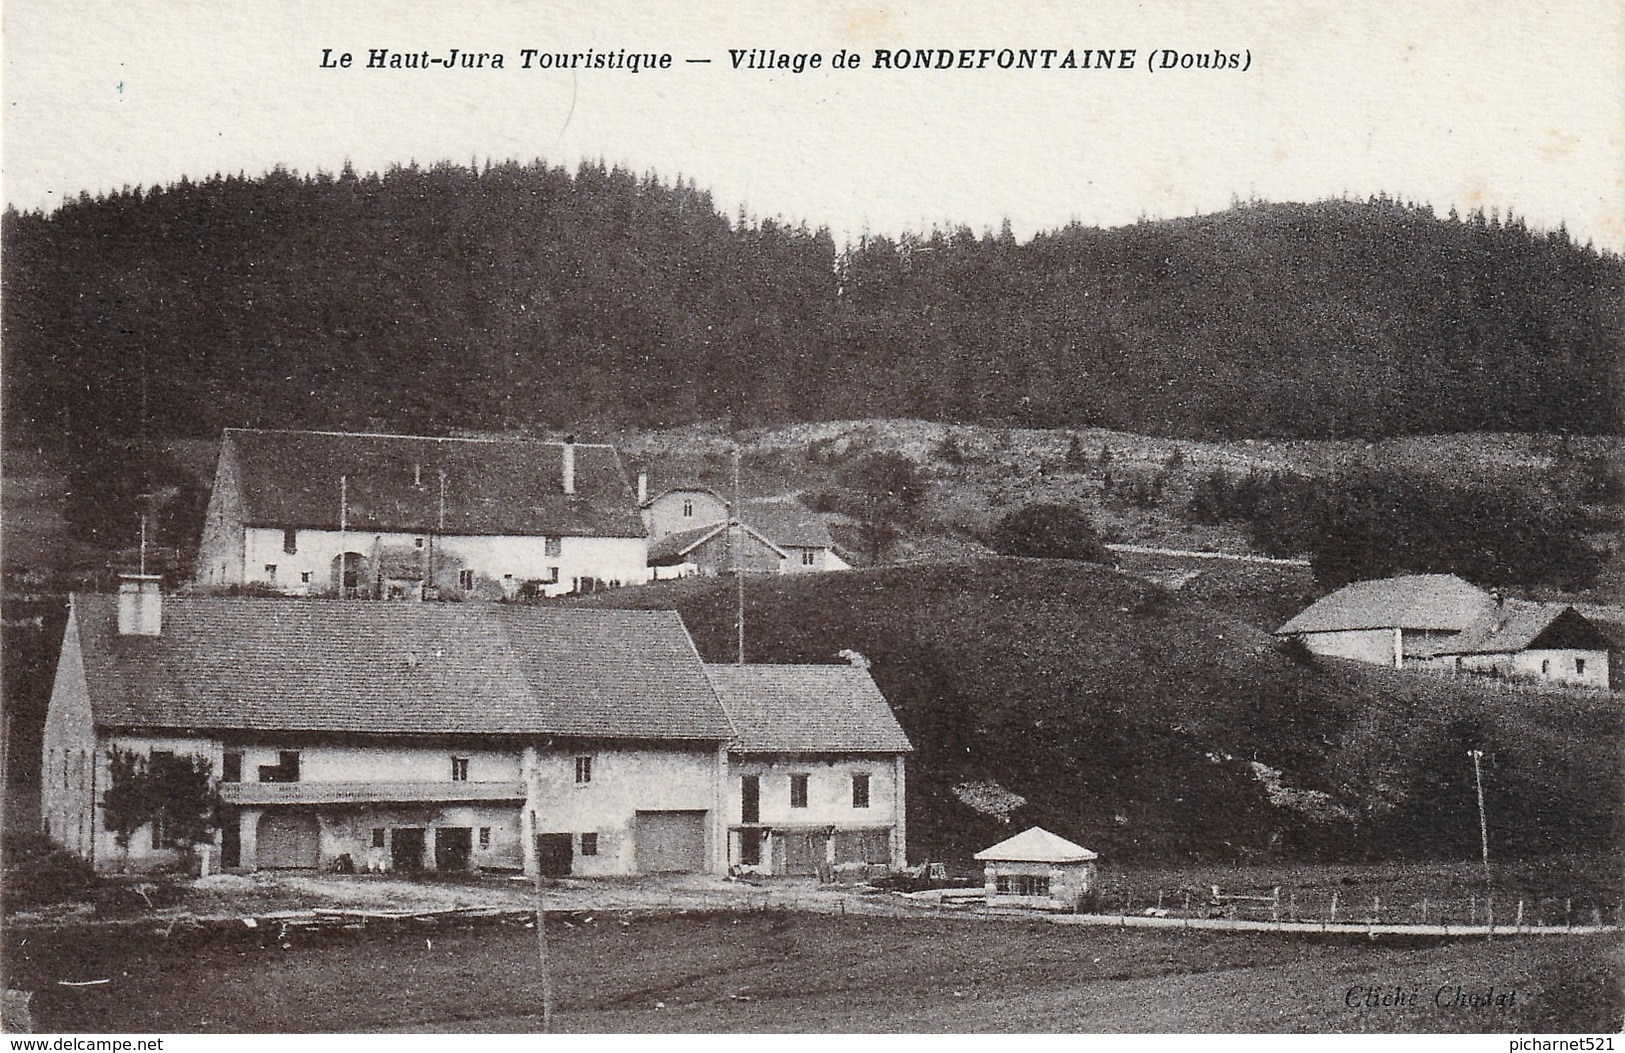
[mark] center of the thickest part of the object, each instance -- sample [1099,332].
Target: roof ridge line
[425,438]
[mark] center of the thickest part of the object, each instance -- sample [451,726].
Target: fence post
[1517,926]
[1568,913]
[1472,910]
[1334,906]
[1376,909]
[1275,904]
[1292,904]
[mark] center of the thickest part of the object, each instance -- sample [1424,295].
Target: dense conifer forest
[524,297]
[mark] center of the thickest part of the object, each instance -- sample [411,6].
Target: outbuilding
[1038,869]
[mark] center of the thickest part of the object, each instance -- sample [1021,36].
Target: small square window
[290,541]
[459,769]
[809,557]
[583,770]
[1579,665]
[417,542]
[860,790]
[553,546]
[589,844]
[485,837]
[465,580]
[798,791]
[270,573]
[304,577]
[378,835]
[688,508]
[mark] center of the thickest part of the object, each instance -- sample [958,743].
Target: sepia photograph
[807,519]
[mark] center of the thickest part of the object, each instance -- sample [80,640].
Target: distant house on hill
[688,533]
[1036,868]
[816,768]
[1440,622]
[446,736]
[330,513]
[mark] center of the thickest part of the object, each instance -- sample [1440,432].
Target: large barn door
[288,839]
[670,842]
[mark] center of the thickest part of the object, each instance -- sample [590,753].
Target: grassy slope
[1127,715]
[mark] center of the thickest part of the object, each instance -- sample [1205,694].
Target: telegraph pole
[739,559]
[1483,825]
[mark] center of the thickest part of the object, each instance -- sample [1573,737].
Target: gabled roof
[1522,626]
[1438,602]
[392,483]
[1036,845]
[807,709]
[674,548]
[271,665]
[788,524]
[683,490]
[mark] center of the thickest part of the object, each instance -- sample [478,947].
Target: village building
[400,516]
[816,769]
[1439,622]
[1038,869]
[692,533]
[435,736]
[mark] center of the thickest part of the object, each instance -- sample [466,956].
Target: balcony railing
[266,793]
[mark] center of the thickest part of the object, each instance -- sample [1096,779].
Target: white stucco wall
[664,515]
[1364,645]
[624,782]
[505,562]
[829,789]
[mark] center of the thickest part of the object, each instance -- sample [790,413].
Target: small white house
[1038,869]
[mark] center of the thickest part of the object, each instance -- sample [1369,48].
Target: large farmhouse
[1440,622]
[329,513]
[445,736]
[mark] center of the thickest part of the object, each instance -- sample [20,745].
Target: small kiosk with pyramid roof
[1039,869]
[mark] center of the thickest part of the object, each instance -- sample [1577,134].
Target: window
[583,770]
[304,577]
[589,844]
[750,848]
[459,769]
[485,837]
[552,546]
[798,791]
[809,557]
[270,573]
[1545,665]
[290,540]
[231,766]
[688,509]
[552,576]
[465,580]
[860,790]
[378,835]
[286,769]
[750,799]
[417,542]
[1579,665]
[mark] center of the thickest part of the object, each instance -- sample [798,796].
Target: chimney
[140,605]
[643,487]
[569,464]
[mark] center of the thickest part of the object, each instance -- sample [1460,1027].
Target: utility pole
[541,952]
[344,517]
[739,559]
[1483,825]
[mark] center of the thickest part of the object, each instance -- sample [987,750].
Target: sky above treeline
[1467,105]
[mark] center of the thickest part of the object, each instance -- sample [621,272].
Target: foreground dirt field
[780,971]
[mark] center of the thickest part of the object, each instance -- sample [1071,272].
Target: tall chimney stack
[643,487]
[140,605]
[569,464]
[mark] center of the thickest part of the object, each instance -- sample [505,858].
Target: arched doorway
[345,574]
[287,840]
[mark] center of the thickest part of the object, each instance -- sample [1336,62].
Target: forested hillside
[525,297]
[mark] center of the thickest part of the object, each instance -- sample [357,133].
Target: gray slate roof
[807,709]
[1036,845]
[1439,602]
[493,487]
[787,524]
[1519,626]
[227,663]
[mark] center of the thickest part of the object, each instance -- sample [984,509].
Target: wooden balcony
[252,794]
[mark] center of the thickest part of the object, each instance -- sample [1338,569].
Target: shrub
[1047,531]
[39,873]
